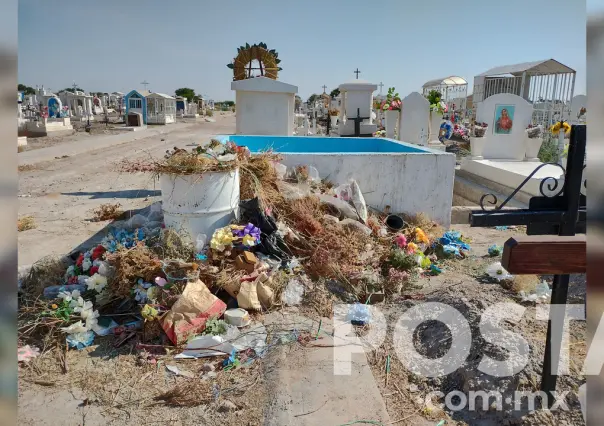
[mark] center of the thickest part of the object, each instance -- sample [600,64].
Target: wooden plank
[545,254]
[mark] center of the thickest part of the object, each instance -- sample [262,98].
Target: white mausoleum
[161,109]
[264,106]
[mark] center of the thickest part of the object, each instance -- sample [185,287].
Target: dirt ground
[107,385]
[98,127]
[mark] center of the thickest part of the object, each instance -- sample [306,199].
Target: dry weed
[189,394]
[173,245]
[130,265]
[26,223]
[46,272]
[526,283]
[107,212]
[27,167]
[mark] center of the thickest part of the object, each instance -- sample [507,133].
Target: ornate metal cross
[562,211]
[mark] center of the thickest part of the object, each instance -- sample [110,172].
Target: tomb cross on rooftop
[381,85]
[75,86]
[144,83]
[324,88]
[357,72]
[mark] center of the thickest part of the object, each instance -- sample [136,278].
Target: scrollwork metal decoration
[551,186]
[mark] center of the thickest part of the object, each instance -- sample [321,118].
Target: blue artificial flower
[80,340]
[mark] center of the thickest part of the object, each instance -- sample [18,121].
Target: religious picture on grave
[504,119]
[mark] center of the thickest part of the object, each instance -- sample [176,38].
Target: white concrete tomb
[357,99]
[264,106]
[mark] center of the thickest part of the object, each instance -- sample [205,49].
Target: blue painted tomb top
[322,145]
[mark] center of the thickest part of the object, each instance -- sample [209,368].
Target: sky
[114,45]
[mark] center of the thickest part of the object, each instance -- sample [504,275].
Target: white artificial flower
[96,282]
[77,327]
[86,264]
[68,297]
[218,149]
[82,279]
[82,305]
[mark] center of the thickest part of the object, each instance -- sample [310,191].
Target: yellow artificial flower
[412,248]
[54,306]
[222,238]
[249,241]
[421,236]
[149,313]
[555,129]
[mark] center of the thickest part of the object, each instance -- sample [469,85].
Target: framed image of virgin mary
[504,119]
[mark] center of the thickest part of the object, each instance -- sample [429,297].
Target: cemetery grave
[179,298]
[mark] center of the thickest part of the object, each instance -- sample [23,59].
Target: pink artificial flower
[400,241]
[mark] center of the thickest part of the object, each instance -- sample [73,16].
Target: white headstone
[508,116]
[357,100]
[415,119]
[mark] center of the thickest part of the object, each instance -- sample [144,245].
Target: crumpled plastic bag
[496,271]
[293,293]
[358,200]
[281,169]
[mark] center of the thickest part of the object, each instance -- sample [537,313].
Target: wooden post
[545,254]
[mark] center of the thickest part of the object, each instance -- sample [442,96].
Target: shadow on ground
[128,193]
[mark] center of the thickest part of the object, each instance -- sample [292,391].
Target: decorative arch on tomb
[255,58]
[54,107]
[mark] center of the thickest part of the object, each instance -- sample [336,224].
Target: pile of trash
[297,238]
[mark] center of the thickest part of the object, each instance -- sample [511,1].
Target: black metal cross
[563,212]
[357,123]
[357,72]
[324,88]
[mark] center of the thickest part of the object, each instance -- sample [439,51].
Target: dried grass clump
[46,272]
[130,265]
[319,299]
[26,223]
[27,167]
[189,394]
[181,162]
[259,178]
[174,245]
[335,253]
[526,283]
[107,212]
[303,214]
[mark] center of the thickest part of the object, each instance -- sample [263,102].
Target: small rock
[208,367]
[331,218]
[413,388]
[226,406]
[163,140]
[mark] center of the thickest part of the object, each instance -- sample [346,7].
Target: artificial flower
[140,291]
[54,306]
[97,252]
[68,297]
[27,353]
[401,241]
[149,313]
[80,340]
[81,305]
[86,264]
[160,281]
[421,236]
[222,238]
[96,282]
[249,241]
[80,259]
[94,270]
[412,248]
[69,272]
[77,327]
[152,292]
[82,279]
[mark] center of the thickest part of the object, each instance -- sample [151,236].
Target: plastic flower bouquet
[393,101]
